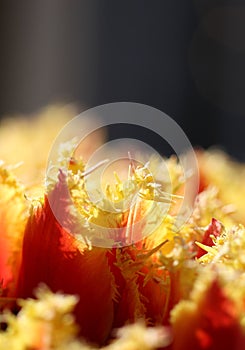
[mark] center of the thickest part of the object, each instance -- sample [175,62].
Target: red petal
[51,256]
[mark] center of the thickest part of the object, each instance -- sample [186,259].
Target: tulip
[80,270]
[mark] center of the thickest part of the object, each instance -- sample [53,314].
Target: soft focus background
[186,58]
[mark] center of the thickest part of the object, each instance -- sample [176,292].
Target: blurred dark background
[186,58]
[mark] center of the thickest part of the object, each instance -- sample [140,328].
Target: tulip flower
[118,273]
[115,286]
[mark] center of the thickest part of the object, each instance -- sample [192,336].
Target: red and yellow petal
[55,257]
[209,320]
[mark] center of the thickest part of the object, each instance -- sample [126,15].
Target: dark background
[186,58]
